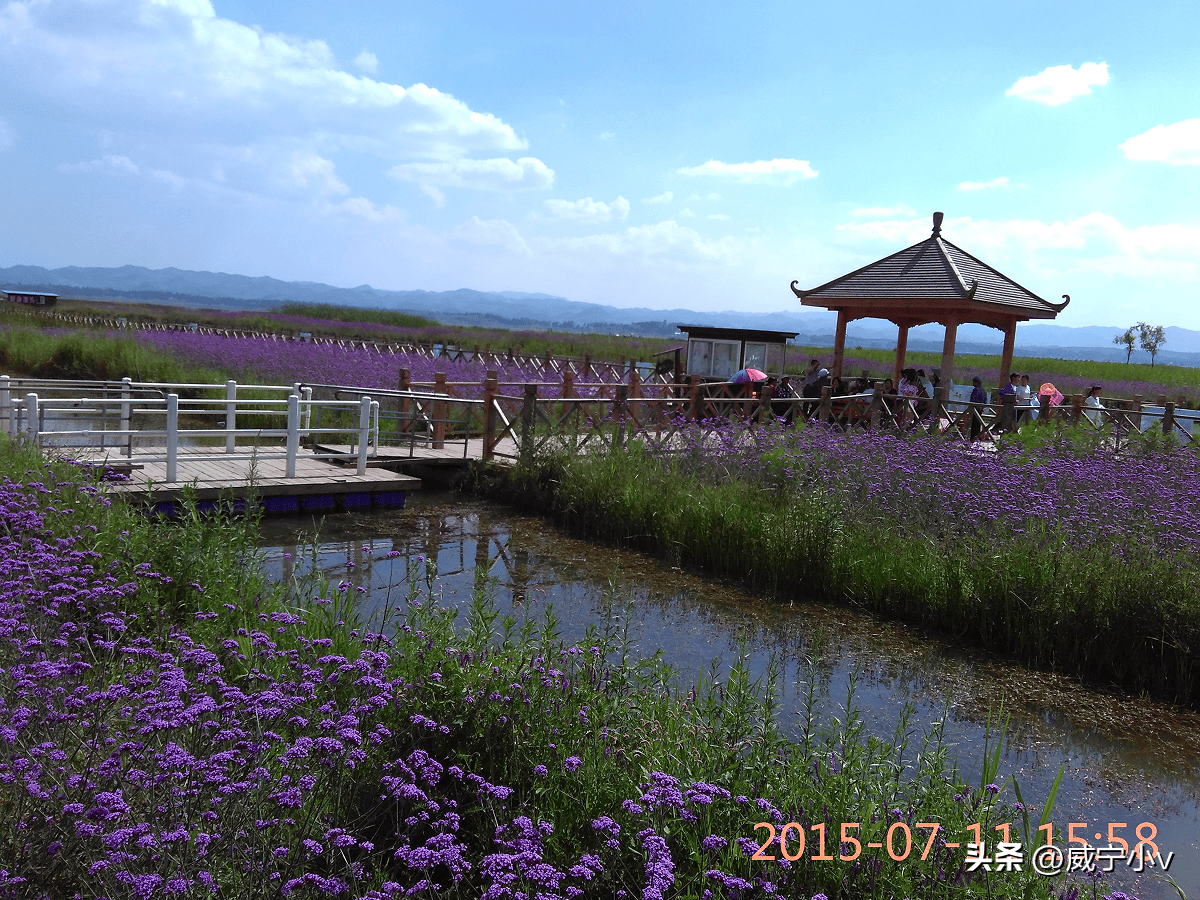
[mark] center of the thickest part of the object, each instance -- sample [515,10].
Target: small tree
[1151,337]
[1129,339]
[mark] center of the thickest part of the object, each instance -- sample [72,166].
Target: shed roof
[933,275]
[23,293]
[737,334]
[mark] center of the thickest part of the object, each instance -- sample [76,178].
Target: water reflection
[1127,760]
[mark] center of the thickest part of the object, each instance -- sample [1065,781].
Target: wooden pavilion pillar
[1006,358]
[947,374]
[901,350]
[839,344]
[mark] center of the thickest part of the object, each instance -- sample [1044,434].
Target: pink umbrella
[741,376]
[1049,390]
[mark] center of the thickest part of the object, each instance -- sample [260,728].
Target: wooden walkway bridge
[308,447]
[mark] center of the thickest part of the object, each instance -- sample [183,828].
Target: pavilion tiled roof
[936,274]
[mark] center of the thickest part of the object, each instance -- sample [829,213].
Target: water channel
[1126,759]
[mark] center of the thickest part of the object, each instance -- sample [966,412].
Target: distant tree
[1129,339]
[1151,337]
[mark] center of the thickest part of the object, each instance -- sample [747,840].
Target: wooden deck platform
[211,479]
[424,455]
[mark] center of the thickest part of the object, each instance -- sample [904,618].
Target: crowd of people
[908,402]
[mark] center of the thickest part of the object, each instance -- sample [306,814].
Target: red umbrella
[741,376]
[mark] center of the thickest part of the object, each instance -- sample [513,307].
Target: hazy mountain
[513,309]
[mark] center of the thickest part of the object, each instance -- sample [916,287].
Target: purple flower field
[284,362]
[164,734]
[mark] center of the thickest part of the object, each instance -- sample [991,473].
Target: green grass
[86,355]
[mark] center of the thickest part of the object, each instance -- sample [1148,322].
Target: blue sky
[658,154]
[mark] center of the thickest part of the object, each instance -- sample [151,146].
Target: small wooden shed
[716,353]
[932,281]
[31,298]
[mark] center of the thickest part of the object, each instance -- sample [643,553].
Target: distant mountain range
[508,309]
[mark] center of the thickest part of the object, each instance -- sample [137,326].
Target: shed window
[756,356]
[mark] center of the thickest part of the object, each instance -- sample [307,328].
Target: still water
[1126,759]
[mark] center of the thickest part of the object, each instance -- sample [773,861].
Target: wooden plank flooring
[215,477]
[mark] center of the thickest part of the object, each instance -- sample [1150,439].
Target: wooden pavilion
[932,281]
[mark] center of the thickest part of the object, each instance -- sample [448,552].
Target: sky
[658,154]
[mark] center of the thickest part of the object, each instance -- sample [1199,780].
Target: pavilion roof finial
[937,224]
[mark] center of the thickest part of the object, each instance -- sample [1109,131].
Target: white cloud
[668,238]
[500,174]
[664,197]
[492,232]
[1177,144]
[775,171]
[311,170]
[199,94]
[883,212]
[719,217]
[111,163]
[1059,84]
[367,62]
[1000,182]
[362,208]
[606,135]
[588,210]
[686,213]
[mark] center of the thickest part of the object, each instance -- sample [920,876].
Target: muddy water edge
[1125,759]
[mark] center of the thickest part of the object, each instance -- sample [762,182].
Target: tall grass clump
[168,737]
[92,356]
[1060,553]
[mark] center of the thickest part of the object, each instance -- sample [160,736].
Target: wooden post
[1135,416]
[568,387]
[1006,357]
[364,433]
[876,408]
[839,345]
[1076,408]
[293,434]
[404,405]
[1162,400]
[548,362]
[172,434]
[1044,409]
[489,415]
[826,411]
[587,366]
[440,408]
[1168,418]
[528,417]
[940,396]
[1008,412]
[694,396]
[127,413]
[901,350]
[635,383]
[622,397]
[947,370]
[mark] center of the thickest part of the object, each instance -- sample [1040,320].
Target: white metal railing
[152,424]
